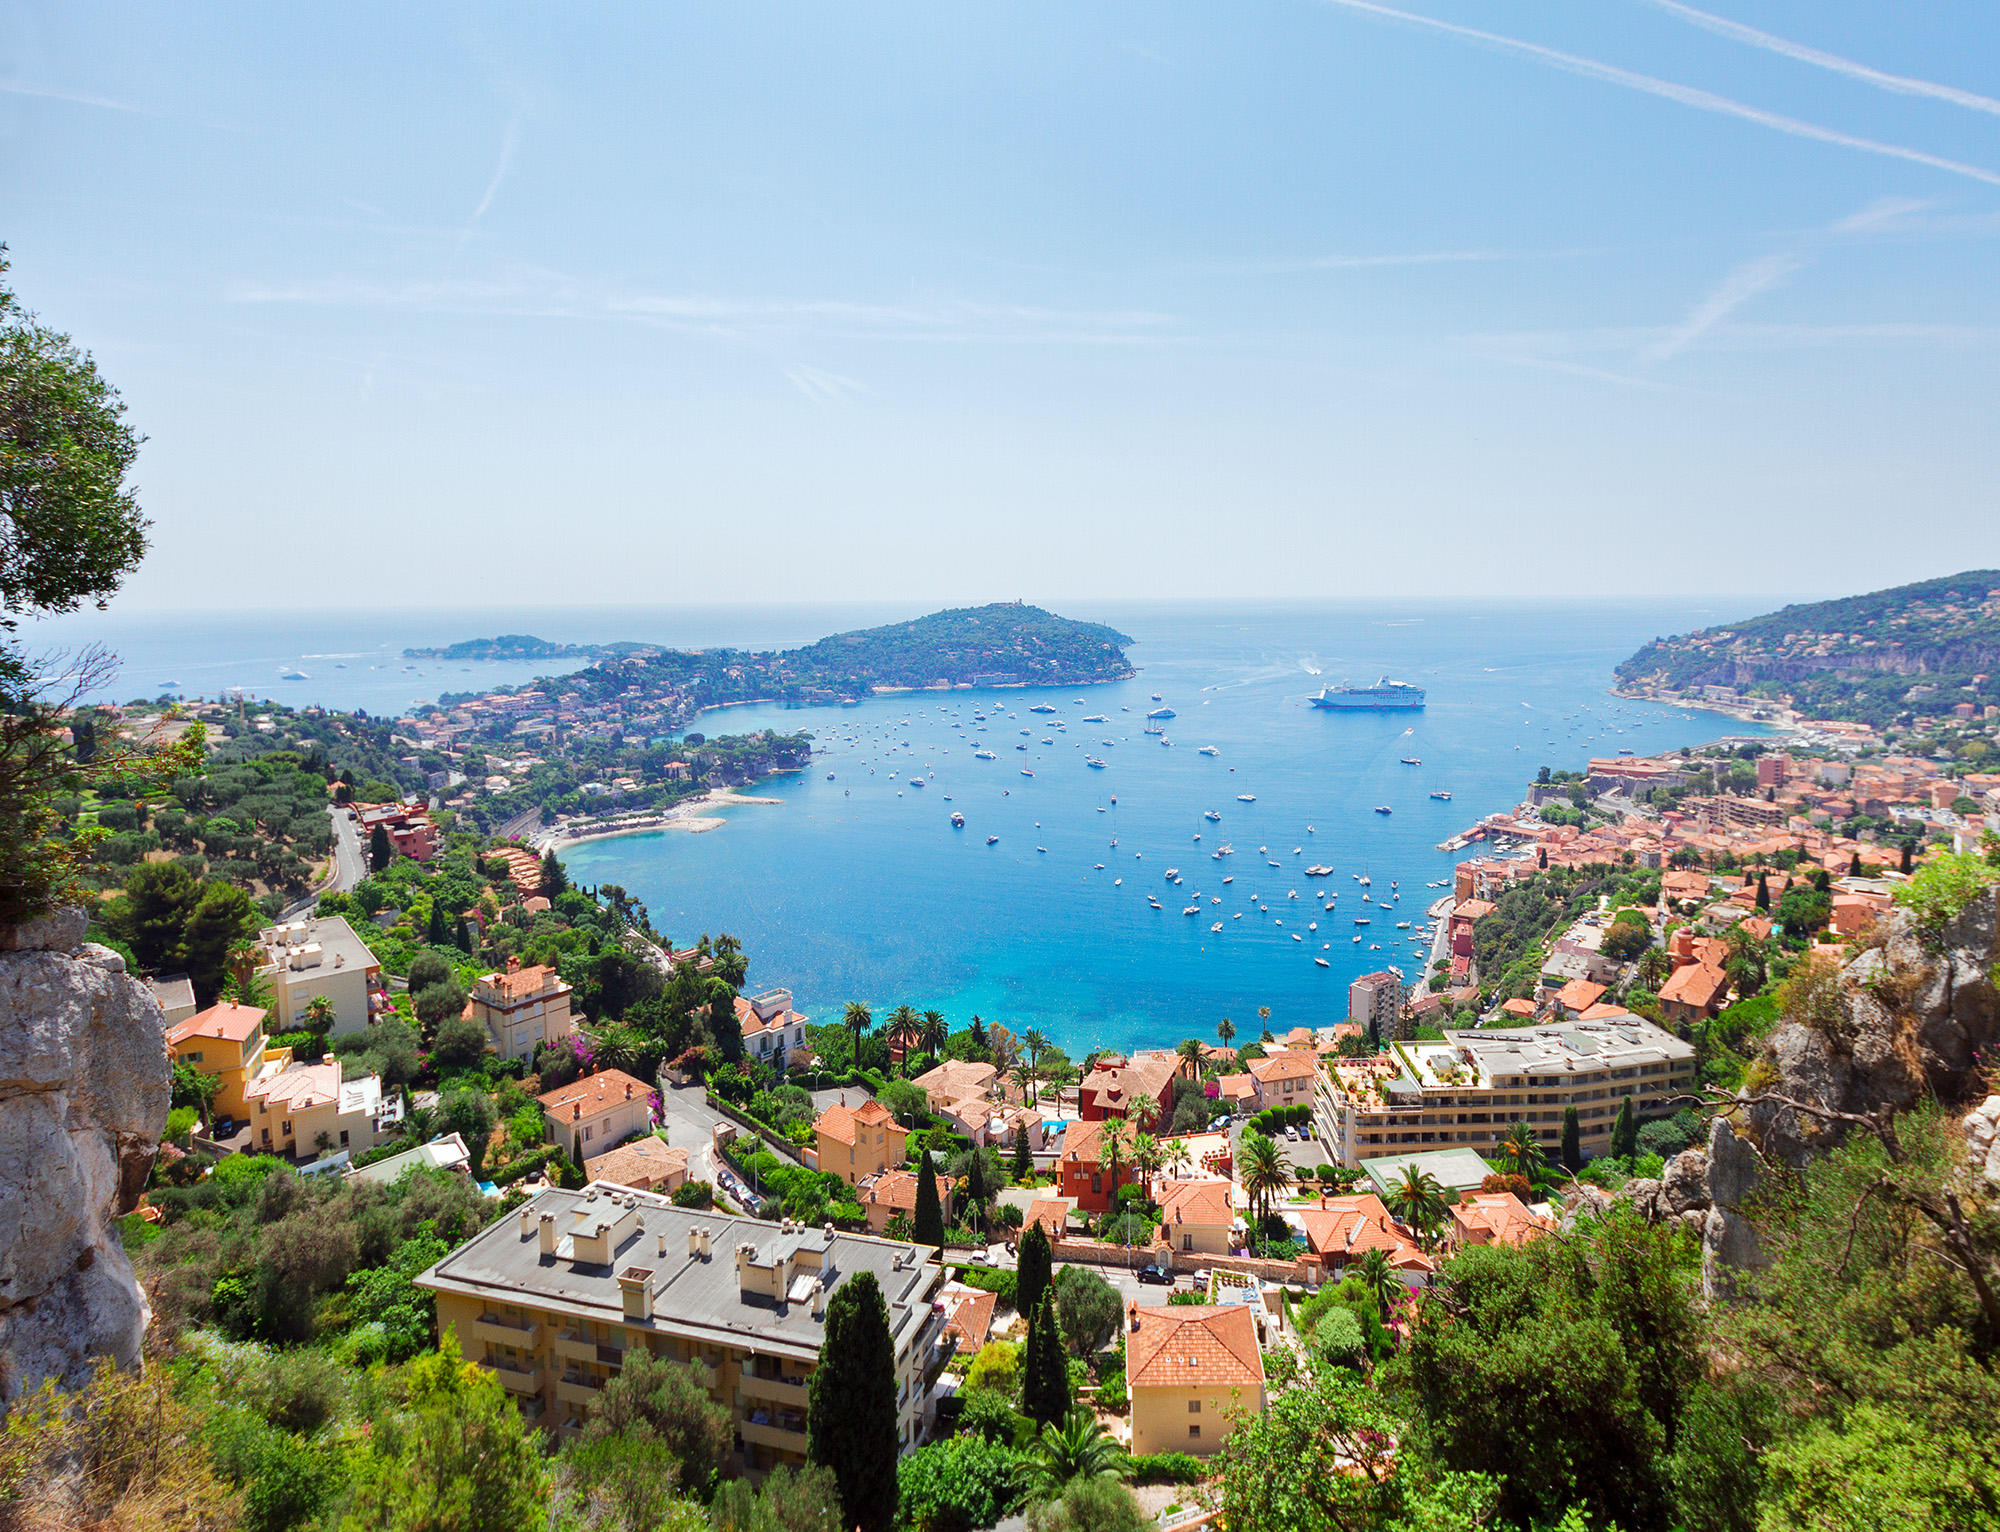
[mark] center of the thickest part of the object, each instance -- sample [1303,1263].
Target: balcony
[522,1334]
[775,1431]
[577,1390]
[574,1347]
[790,1395]
[516,1380]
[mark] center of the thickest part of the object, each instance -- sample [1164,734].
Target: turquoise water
[856,886]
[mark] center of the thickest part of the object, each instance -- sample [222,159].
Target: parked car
[1154,1276]
[1219,1123]
[1291,1133]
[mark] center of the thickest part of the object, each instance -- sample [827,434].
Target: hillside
[1916,650]
[1006,639]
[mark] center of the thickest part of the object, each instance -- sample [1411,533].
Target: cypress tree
[380,852]
[851,1413]
[1908,847]
[1625,1132]
[1854,865]
[1763,893]
[554,879]
[1031,1270]
[1024,1159]
[435,934]
[464,934]
[1045,1372]
[1572,1143]
[929,1224]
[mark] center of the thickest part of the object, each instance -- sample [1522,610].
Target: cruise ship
[1384,694]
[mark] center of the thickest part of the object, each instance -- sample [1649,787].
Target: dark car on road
[1155,1276]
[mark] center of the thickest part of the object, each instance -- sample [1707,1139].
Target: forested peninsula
[1912,651]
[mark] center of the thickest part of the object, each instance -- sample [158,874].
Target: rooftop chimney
[1133,1313]
[548,1225]
[694,1241]
[819,1299]
[513,964]
[527,1222]
[628,1090]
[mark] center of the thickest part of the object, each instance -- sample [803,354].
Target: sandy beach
[693,817]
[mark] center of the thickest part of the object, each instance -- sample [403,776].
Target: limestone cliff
[84,1087]
[1906,1021]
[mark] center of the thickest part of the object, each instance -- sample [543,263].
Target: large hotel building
[552,1298]
[1466,1090]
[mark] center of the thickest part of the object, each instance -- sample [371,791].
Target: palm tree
[1379,1277]
[1191,1056]
[1077,1449]
[1178,1157]
[932,1031]
[1519,1145]
[1266,1171]
[1034,1044]
[902,1023]
[857,1020]
[1146,1159]
[1417,1199]
[1225,1030]
[1024,1077]
[1111,1149]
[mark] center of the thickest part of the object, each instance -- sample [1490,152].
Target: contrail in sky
[1686,95]
[1902,85]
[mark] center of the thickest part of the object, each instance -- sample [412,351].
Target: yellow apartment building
[226,1043]
[552,1299]
[522,1009]
[596,1114]
[855,1143]
[1187,1369]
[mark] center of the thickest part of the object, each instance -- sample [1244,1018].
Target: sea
[1039,912]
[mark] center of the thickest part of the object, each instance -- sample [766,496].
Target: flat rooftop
[1564,1049]
[697,1296]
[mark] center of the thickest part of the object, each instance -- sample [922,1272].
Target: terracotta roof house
[1578,996]
[773,1033]
[955,1080]
[1343,1229]
[857,1142]
[1052,1213]
[971,1314]
[522,1009]
[645,1164]
[1524,1009]
[1116,1088]
[1084,1178]
[1693,992]
[593,1114]
[1236,1093]
[1496,1218]
[1197,1216]
[1284,1079]
[895,1191]
[1188,1368]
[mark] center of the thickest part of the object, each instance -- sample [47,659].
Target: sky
[532,304]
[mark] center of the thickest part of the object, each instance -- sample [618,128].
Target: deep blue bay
[858,887]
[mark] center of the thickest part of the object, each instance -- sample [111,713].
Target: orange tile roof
[298,1087]
[838,1122]
[1472,909]
[1193,1346]
[1695,984]
[1205,1204]
[1119,1088]
[896,1190]
[1283,1066]
[1498,1218]
[1052,1213]
[523,982]
[228,1021]
[1517,1007]
[752,1024]
[971,1315]
[1235,1087]
[594,1094]
[1579,995]
[644,1163]
[1340,1229]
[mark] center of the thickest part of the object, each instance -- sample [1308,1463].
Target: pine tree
[851,1411]
[1024,1159]
[380,852]
[1572,1141]
[1031,1269]
[1625,1132]
[1045,1370]
[929,1223]
[554,879]
[1763,892]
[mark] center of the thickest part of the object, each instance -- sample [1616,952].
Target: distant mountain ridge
[522,646]
[1917,650]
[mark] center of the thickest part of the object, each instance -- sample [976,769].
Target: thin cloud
[822,387]
[74,97]
[1742,284]
[1884,213]
[1685,95]
[1902,85]
[500,168]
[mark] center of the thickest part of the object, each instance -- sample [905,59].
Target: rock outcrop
[1905,1021]
[84,1088]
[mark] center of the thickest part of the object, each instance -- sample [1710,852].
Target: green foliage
[997,1368]
[657,1401]
[957,1485]
[988,1279]
[929,1219]
[804,1499]
[1167,1468]
[1032,1266]
[1942,887]
[1087,1308]
[1045,1387]
[852,1414]
[458,1456]
[1090,1505]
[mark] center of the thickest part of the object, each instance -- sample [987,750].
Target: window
[1194,1433]
[1194,1406]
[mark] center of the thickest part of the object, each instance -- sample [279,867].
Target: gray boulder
[84,1088]
[1684,1185]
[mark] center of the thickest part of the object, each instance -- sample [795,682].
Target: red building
[1116,1087]
[1085,1176]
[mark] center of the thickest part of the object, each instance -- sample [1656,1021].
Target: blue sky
[716,302]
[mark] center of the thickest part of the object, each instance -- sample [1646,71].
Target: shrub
[997,1368]
[1167,1468]
[694,1194]
[1942,887]
[987,1280]
[957,1485]
[526,1164]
